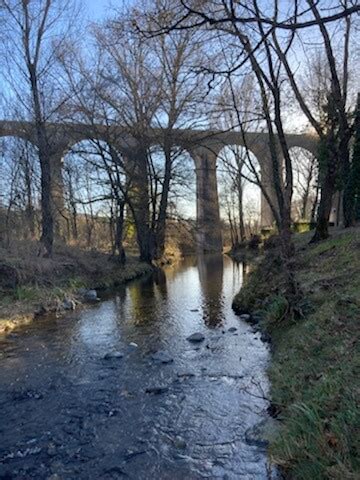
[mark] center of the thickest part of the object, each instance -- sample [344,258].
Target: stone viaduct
[204,146]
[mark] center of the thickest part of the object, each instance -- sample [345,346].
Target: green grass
[315,371]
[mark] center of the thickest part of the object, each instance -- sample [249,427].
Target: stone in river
[194,310]
[265,337]
[245,317]
[156,390]
[161,357]
[185,374]
[69,304]
[196,337]
[91,296]
[113,355]
[179,443]
[232,329]
[54,476]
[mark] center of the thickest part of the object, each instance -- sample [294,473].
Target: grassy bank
[30,285]
[315,372]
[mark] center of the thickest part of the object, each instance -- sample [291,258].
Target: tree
[305,171]
[35,32]
[181,93]
[335,133]
[236,104]
[260,35]
[353,185]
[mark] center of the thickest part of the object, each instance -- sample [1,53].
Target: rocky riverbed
[161,380]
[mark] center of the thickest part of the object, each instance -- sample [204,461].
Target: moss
[316,361]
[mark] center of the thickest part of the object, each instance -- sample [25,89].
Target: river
[89,396]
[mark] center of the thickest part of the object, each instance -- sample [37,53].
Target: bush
[271,242]
[254,242]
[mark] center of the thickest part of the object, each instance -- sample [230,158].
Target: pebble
[156,390]
[51,451]
[113,355]
[69,304]
[196,337]
[179,443]
[161,357]
[91,296]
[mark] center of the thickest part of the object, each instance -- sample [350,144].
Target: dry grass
[44,282]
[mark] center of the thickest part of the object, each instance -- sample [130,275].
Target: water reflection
[211,270]
[159,277]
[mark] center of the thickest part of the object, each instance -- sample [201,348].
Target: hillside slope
[315,372]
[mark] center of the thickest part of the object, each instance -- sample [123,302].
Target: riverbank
[31,286]
[316,359]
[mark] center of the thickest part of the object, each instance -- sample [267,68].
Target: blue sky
[97,8]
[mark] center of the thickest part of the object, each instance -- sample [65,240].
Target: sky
[96,9]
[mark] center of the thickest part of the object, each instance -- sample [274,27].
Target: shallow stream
[117,391]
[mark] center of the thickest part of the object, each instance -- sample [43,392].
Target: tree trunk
[241,211]
[119,232]
[138,200]
[29,201]
[161,220]
[324,210]
[315,204]
[47,222]
[348,195]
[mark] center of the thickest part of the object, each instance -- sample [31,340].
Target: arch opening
[95,186]
[240,196]
[306,187]
[172,176]
[20,192]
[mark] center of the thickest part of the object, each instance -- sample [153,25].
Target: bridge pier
[209,237]
[267,180]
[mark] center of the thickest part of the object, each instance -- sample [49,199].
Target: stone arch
[22,130]
[306,142]
[203,145]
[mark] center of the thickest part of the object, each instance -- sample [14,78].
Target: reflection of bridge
[203,145]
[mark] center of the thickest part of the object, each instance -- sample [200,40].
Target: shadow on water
[117,390]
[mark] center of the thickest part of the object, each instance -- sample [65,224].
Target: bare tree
[35,31]
[181,93]
[237,104]
[306,175]
[335,132]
